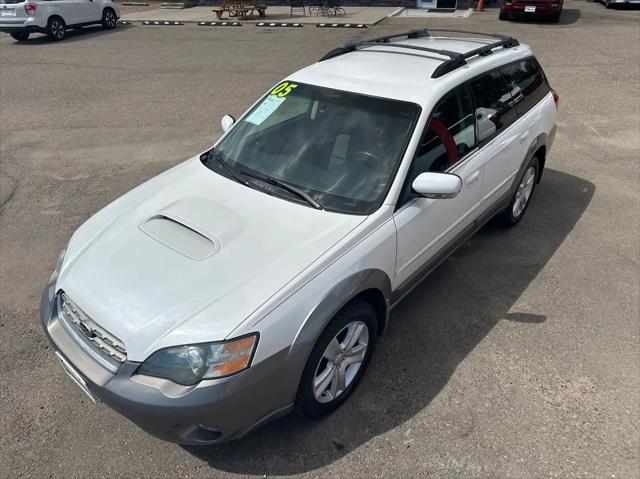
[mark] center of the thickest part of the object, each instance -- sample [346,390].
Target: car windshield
[340,149]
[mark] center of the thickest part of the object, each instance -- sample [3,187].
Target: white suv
[20,18]
[256,277]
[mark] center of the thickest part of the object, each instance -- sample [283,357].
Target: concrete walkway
[353,15]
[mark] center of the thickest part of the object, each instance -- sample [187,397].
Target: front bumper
[214,411]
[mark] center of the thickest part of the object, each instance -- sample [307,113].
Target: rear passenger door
[502,138]
[68,9]
[81,11]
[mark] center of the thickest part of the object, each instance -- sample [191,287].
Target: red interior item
[441,131]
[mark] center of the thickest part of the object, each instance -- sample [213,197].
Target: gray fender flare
[540,140]
[334,301]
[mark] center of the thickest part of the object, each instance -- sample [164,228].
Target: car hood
[189,255]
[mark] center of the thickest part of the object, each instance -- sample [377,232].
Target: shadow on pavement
[430,333]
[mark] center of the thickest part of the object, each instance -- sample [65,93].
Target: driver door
[426,226]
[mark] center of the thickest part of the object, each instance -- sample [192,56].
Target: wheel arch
[538,148]
[541,154]
[56,15]
[371,285]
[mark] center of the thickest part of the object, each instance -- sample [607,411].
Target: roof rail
[454,59]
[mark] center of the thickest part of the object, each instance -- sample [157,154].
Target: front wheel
[512,215]
[338,360]
[56,29]
[20,36]
[109,20]
[503,15]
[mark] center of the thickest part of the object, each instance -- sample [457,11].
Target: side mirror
[437,185]
[227,122]
[486,125]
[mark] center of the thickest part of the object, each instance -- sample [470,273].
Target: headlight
[190,364]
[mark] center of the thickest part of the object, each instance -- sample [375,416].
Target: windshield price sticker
[270,104]
[264,111]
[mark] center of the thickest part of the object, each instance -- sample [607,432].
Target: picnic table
[240,8]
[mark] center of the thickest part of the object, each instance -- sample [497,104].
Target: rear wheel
[56,29]
[512,215]
[338,360]
[607,3]
[555,18]
[20,36]
[109,20]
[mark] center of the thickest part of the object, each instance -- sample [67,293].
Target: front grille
[99,339]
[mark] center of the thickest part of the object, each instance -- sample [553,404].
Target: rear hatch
[13,11]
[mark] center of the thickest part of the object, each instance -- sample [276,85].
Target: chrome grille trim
[111,352]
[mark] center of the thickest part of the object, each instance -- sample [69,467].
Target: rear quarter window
[527,82]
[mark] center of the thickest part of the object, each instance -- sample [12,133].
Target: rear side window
[527,82]
[495,107]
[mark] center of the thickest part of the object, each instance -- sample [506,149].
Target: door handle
[472,179]
[524,137]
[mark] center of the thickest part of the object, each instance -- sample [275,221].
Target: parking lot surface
[519,357]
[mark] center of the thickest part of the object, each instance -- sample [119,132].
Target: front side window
[449,136]
[527,83]
[495,107]
[341,149]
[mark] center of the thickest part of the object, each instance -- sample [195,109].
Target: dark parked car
[531,8]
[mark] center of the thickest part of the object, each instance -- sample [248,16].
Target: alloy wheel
[110,19]
[57,29]
[341,361]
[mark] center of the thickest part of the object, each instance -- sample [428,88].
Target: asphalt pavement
[519,357]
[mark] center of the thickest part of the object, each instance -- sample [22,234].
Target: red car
[531,8]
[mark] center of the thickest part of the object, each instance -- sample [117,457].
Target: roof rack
[454,59]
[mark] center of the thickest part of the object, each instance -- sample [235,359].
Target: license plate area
[8,12]
[73,374]
[530,9]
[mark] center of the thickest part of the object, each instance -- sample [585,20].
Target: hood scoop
[181,235]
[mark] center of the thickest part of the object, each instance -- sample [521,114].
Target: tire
[109,20]
[503,15]
[56,29]
[20,36]
[359,318]
[555,18]
[607,4]
[512,215]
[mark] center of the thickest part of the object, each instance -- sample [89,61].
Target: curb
[279,24]
[341,25]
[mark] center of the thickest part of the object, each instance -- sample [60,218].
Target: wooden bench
[237,8]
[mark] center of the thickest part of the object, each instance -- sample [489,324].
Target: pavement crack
[13,186]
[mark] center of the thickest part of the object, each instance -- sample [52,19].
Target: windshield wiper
[225,166]
[285,186]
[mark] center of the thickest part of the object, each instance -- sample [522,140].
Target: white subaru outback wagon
[256,277]
[20,18]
